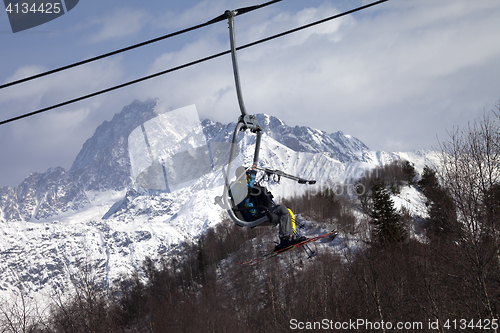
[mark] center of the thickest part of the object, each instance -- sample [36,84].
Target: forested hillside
[388,270]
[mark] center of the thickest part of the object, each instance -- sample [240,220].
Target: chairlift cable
[151,41]
[113,88]
[188,64]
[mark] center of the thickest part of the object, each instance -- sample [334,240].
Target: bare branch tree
[20,313]
[470,170]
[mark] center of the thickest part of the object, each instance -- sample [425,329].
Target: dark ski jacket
[249,201]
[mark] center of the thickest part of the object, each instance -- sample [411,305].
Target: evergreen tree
[442,220]
[388,226]
[492,207]
[410,172]
[429,180]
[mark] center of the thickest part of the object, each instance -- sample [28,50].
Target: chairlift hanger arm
[245,122]
[230,15]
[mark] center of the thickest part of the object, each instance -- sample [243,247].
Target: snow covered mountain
[101,165]
[52,223]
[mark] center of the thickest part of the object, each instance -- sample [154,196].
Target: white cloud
[393,78]
[25,71]
[34,143]
[62,86]
[122,23]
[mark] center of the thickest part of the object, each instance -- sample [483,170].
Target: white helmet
[240,171]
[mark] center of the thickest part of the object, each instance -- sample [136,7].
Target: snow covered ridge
[54,221]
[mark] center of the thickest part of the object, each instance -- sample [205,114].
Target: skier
[245,182]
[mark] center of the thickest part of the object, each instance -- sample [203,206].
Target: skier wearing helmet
[240,192]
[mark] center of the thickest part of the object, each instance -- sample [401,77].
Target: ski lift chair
[264,201]
[245,121]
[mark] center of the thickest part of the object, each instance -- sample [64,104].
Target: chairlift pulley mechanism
[249,122]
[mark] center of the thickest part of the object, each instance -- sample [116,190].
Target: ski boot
[288,241]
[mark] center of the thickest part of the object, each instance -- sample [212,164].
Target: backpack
[262,199]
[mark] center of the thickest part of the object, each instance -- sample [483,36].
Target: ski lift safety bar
[279,173]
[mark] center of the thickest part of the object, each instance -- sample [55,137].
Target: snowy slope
[55,222]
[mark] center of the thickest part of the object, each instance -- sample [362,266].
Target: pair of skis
[272,254]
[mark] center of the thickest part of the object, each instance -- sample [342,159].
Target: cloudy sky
[396,76]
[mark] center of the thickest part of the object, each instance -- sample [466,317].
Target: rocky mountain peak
[103,163]
[110,132]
